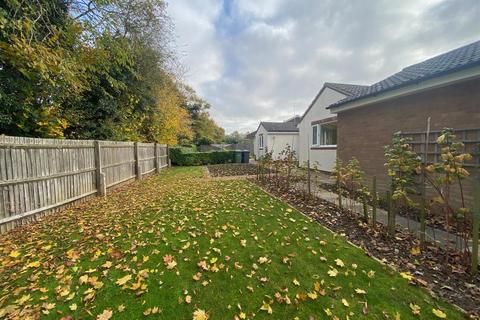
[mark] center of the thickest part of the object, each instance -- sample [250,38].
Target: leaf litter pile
[178,246]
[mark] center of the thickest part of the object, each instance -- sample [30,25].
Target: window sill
[325,147]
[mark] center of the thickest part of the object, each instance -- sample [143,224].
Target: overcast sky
[265,60]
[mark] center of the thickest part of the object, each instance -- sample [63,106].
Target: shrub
[183,157]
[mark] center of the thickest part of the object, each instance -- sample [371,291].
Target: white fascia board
[464,75]
[282,133]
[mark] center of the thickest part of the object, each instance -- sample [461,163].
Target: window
[260,141]
[328,134]
[324,135]
[315,135]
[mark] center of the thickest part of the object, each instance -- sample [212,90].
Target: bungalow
[318,128]
[275,137]
[445,88]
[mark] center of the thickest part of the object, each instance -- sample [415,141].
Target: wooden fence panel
[471,140]
[118,161]
[146,153]
[40,175]
[469,137]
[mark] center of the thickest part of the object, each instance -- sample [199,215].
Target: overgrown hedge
[183,157]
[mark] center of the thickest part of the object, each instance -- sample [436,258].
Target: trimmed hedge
[182,157]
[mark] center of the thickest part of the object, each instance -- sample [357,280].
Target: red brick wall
[363,132]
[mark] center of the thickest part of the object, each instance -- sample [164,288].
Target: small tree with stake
[448,172]
[402,165]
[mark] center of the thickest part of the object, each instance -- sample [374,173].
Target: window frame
[260,141]
[319,135]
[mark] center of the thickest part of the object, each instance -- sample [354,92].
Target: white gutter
[460,76]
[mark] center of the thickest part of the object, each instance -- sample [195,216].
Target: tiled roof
[347,89]
[452,61]
[280,126]
[344,88]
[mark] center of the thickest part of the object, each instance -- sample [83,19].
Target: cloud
[265,60]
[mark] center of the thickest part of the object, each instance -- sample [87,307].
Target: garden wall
[40,175]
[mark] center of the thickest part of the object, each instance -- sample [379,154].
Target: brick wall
[363,132]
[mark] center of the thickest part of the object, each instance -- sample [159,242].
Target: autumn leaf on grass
[34,264]
[105,315]
[295,282]
[439,313]
[73,255]
[200,314]
[14,254]
[262,260]
[339,263]
[415,308]
[197,276]
[83,279]
[124,280]
[243,243]
[312,295]
[360,291]
[345,303]
[23,299]
[266,307]
[332,272]
[203,264]
[47,307]
[169,262]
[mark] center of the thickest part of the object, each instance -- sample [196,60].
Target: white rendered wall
[277,142]
[325,158]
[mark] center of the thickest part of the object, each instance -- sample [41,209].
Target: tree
[95,69]
[42,64]
[234,137]
[205,129]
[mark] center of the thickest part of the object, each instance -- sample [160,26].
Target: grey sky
[264,60]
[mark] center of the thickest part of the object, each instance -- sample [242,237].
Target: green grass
[179,213]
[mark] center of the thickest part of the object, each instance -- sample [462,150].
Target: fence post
[374,201]
[155,154]
[138,173]
[99,175]
[169,162]
[475,227]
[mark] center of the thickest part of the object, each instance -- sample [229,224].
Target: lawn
[177,246]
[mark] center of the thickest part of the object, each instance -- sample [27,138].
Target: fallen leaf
[439,313]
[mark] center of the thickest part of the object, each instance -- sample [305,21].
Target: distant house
[445,88]
[318,127]
[275,137]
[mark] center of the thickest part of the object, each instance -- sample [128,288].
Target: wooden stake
[374,202]
[391,231]
[475,228]
[309,187]
[423,209]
